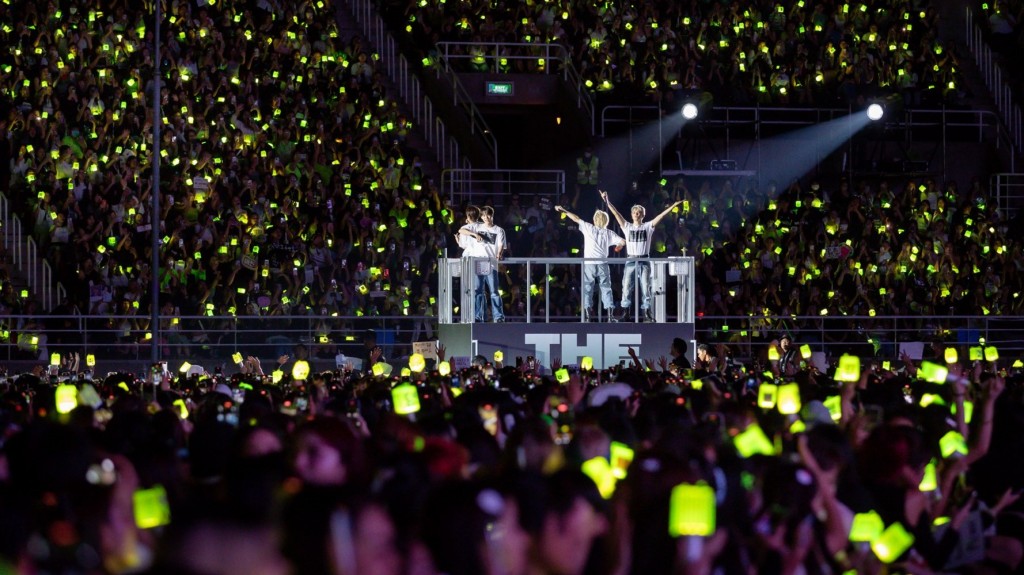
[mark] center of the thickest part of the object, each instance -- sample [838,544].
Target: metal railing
[119,341]
[395,65]
[984,121]
[199,338]
[31,269]
[12,232]
[472,185]
[25,257]
[883,337]
[495,57]
[462,101]
[526,279]
[1007,190]
[992,73]
[980,125]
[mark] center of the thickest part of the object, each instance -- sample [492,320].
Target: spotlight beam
[788,157]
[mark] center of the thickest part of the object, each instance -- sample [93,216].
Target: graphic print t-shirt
[493,241]
[638,239]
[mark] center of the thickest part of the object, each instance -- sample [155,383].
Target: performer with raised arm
[639,235]
[597,238]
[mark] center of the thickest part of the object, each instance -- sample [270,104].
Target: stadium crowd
[791,52]
[289,191]
[773,467]
[323,211]
[287,185]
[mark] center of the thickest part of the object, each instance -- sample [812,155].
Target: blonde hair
[643,210]
[601,218]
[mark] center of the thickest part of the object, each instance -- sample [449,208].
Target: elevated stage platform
[548,335]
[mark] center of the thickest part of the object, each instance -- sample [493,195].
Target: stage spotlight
[695,104]
[889,107]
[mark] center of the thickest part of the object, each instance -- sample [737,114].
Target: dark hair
[307,515]
[473,213]
[454,524]
[538,496]
[679,344]
[888,449]
[339,435]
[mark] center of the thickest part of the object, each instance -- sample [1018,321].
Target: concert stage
[606,343]
[568,341]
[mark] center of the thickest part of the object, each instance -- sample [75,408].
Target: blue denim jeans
[602,275]
[634,268]
[485,282]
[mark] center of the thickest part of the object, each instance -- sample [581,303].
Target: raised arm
[611,208]
[667,211]
[569,214]
[463,231]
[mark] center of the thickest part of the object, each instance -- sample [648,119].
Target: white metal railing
[1007,190]
[984,121]
[992,73]
[12,232]
[205,340]
[470,185]
[211,341]
[409,88]
[532,278]
[882,337]
[461,100]
[31,264]
[25,257]
[495,56]
[45,288]
[980,125]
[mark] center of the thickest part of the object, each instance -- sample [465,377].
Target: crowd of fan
[287,187]
[321,210]
[503,470]
[788,52]
[889,247]
[907,247]
[1000,22]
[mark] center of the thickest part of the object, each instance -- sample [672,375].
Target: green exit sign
[500,88]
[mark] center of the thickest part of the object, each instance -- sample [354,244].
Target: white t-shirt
[638,239]
[493,241]
[493,244]
[471,247]
[596,241]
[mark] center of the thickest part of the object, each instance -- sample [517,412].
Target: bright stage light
[690,111]
[875,112]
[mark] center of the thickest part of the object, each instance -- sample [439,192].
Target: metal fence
[25,257]
[882,337]
[500,57]
[124,342]
[1007,190]
[992,72]
[474,185]
[395,65]
[199,339]
[549,290]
